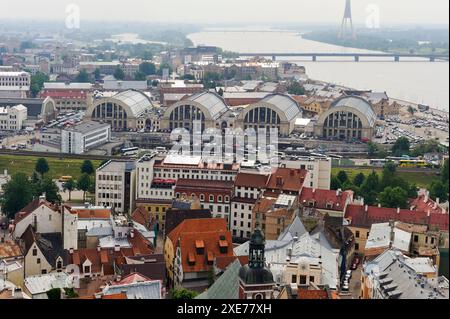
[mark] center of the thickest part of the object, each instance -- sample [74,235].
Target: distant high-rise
[347,28]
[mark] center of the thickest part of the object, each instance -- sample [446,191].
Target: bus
[64,179]
[129,151]
[414,163]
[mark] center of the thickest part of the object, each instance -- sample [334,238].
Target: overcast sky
[251,11]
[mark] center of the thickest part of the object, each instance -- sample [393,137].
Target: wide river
[414,81]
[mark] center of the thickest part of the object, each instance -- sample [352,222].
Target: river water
[409,80]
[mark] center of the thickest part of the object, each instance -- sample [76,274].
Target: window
[38,261]
[356,246]
[294,279]
[87,269]
[59,264]
[302,280]
[416,238]
[357,234]
[311,279]
[432,240]
[44,271]
[34,252]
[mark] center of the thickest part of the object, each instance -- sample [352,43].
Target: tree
[430,146]
[42,166]
[139,76]
[342,177]
[359,179]
[162,67]
[188,77]
[335,183]
[54,294]
[211,79]
[82,77]
[17,194]
[70,186]
[438,190]
[183,294]
[84,184]
[296,89]
[401,146]
[119,74]
[37,82]
[220,92]
[372,148]
[445,172]
[70,293]
[394,197]
[369,188]
[87,167]
[147,68]
[411,110]
[97,74]
[49,188]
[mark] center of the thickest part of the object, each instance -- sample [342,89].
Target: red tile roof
[64,94]
[361,218]
[9,249]
[287,180]
[142,216]
[251,180]
[426,204]
[87,213]
[131,279]
[312,294]
[322,198]
[210,232]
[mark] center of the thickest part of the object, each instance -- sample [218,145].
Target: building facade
[84,137]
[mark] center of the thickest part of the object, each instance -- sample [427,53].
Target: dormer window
[311,203]
[223,245]
[191,259]
[200,247]
[210,258]
[329,205]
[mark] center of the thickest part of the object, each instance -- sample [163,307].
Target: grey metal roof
[284,103]
[212,102]
[359,104]
[397,280]
[138,102]
[296,229]
[226,286]
[87,127]
[139,290]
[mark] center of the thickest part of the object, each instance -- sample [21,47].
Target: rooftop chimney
[398,210]
[366,208]
[71,251]
[279,181]
[117,248]
[132,233]
[42,197]
[99,248]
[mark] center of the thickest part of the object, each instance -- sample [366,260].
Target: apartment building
[15,84]
[13,118]
[84,136]
[115,184]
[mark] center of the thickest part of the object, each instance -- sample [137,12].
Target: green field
[58,167]
[422,179]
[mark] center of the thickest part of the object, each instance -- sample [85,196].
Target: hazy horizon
[250,12]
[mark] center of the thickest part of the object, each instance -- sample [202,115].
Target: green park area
[420,179]
[58,167]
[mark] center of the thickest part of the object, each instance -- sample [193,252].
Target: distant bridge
[356,56]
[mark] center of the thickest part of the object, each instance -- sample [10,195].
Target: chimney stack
[99,248]
[71,251]
[366,208]
[132,233]
[117,248]
[398,210]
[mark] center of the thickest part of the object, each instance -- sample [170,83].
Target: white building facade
[13,118]
[83,137]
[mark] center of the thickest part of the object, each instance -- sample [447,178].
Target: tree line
[22,189]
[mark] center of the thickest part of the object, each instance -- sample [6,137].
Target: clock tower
[255,280]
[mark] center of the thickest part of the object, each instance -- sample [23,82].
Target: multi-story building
[247,189]
[84,137]
[319,169]
[69,97]
[13,118]
[318,203]
[274,215]
[213,195]
[115,185]
[360,218]
[15,84]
